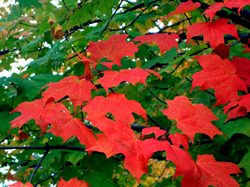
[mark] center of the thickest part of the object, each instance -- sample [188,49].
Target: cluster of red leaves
[61,183]
[224,76]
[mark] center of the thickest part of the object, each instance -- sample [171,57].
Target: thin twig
[65,5]
[156,97]
[168,26]
[111,17]
[133,20]
[158,125]
[28,25]
[38,164]
[4,139]
[45,147]
[177,66]
[137,6]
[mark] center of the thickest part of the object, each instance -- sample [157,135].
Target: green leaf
[245,163]
[75,156]
[28,3]
[15,12]
[30,88]
[50,158]
[100,172]
[230,128]
[6,118]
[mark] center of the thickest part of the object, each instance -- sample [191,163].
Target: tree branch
[157,97]
[65,5]
[38,164]
[137,6]
[111,17]
[45,147]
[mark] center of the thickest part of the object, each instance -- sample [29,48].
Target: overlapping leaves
[113,114]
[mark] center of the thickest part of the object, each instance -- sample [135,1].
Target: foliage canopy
[122,93]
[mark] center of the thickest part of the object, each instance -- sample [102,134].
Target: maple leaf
[182,159]
[210,172]
[211,11]
[115,48]
[247,48]
[164,40]
[55,112]
[74,127]
[118,105]
[57,31]
[179,139]
[243,68]
[28,113]
[114,78]
[22,135]
[131,149]
[156,130]
[183,8]
[72,182]
[241,4]
[43,115]
[88,75]
[219,75]
[115,130]
[119,138]
[20,184]
[78,91]
[212,32]
[222,51]
[241,107]
[191,119]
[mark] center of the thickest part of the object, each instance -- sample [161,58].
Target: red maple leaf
[115,48]
[191,119]
[74,127]
[156,130]
[243,68]
[22,135]
[179,139]
[78,91]
[86,61]
[247,48]
[35,109]
[211,11]
[210,172]
[212,32]
[182,159]
[114,78]
[241,4]
[63,124]
[120,139]
[72,182]
[242,107]
[118,105]
[219,75]
[29,111]
[222,51]
[164,40]
[115,131]
[183,8]
[20,184]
